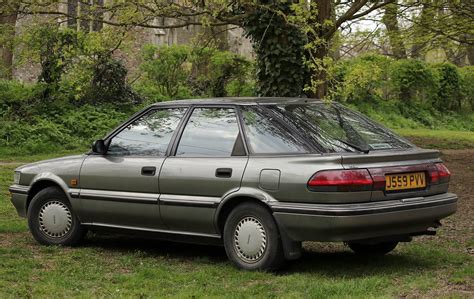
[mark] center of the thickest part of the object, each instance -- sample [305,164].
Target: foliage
[279,47]
[17,99]
[448,97]
[467,87]
[361,80]
[181,71]
[220,73]
[412,79]
[370,84]
[78,67]
[167,68]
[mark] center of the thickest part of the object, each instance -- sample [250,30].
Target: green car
[257,175]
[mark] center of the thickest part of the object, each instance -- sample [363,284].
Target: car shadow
[335,262]
[151,247]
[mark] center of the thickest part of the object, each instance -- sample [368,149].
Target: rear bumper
[19,197]
[347,222]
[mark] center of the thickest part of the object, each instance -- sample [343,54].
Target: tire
[372,249]
[51,219]
[252,222]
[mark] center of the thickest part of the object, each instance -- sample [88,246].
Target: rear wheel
[372,249]
[51,219]
[251,238]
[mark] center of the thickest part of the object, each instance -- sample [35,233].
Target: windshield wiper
[356,147]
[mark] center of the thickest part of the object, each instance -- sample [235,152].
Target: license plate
[403,181]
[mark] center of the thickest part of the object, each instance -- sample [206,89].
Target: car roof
[240,101]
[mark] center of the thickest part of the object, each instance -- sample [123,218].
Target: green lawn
[441,139]
[111,266]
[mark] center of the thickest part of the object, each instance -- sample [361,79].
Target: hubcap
[55,219]
[250,239]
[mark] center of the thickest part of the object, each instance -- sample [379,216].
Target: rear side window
[334,128]
[268,135]
[210,132]
[147,136]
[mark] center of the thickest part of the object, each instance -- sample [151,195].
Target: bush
[362,79]
[173,72]
[167,68]
[448,97]
[467,87]
[18,100]
[214,70]
[412,80]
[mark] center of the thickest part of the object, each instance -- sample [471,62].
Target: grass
[440,139]
[118,266]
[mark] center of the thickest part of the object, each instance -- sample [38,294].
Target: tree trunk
[421,36]
[325,13]
[390,21]
[9,14]
[470,54]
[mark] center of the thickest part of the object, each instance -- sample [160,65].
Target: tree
[292,38]
[8,17]
[390,20]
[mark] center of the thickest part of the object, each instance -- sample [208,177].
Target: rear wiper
[360,149]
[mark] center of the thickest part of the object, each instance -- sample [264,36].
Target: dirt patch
[461,165]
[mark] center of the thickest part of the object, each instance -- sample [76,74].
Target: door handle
[149,170]
[223,172]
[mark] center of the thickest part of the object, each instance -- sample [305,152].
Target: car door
[209,161]
[120,188]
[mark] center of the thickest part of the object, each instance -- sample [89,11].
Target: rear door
[209,161]
[120,188]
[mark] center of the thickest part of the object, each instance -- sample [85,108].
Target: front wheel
[251,238]
[51,219]
[372,249]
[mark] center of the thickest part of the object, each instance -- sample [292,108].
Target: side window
[210,132]
[266,135]
[147,136]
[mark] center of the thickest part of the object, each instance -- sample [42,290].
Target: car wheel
[51,219]
[372,249]
[251,238]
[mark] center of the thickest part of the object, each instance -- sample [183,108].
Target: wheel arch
[291,249]
[43,181]
[233,199]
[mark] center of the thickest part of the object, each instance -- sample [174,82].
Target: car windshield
[315,127]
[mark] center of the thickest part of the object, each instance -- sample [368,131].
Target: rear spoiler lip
[403,157]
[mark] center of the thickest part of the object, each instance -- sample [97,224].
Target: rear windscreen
[315,127]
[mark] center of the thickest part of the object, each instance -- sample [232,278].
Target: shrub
[214,70]
[17,100]
[412,80]
[178,71]
[363,79]
[448,95]
[167,68]
[467,86]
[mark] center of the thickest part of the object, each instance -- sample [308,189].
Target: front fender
[71,193]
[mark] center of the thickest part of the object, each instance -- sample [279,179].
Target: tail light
[439,174]
[341,180]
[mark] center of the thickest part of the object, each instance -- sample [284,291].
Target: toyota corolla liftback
[258,175]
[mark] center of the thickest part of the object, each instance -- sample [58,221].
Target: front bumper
[348,222]
[19,198]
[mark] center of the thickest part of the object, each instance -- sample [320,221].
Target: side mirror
[99,147]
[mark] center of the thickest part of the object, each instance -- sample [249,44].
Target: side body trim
[132,197]
[189,201]
[214,236]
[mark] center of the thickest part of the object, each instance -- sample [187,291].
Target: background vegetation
[70,107]
[411,67]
